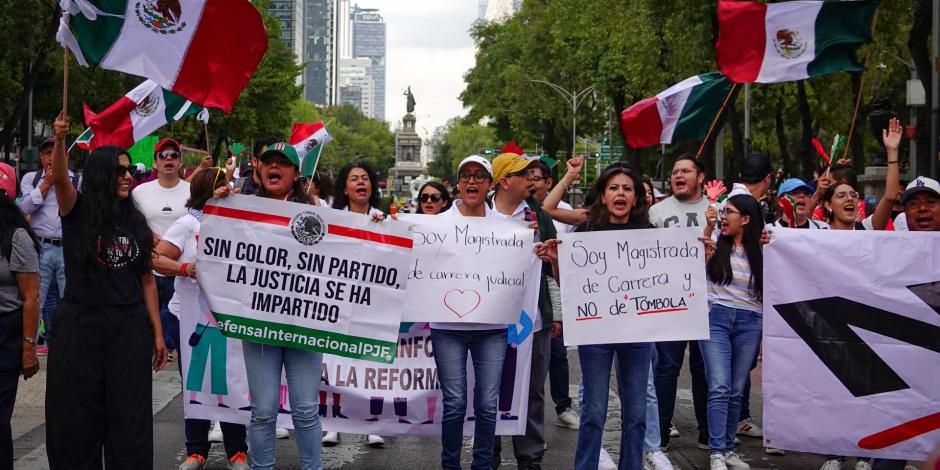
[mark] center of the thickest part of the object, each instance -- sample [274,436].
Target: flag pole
[65,79]
[205,127]
[861,88]
[711,128]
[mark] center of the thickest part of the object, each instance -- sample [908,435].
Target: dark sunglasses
[122,170]
[430,197]
[169,155]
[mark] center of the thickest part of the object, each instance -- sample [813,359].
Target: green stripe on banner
[700,108]
[96,37]
[841,27]
[293,336]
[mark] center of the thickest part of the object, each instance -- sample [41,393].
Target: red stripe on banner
[742,37]
[901,433]
[247,215]
[641,124]
[369,236]
[588,318]
[663,311]
[224,52]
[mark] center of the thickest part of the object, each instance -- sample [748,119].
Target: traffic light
[486,151]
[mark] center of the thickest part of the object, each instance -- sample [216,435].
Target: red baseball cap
[163,143]
[8,180]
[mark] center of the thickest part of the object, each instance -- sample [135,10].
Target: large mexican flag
[786,41]
[682,112]
[203,50]
[136,115]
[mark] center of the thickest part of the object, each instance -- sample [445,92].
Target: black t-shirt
[114,283]
[610,226]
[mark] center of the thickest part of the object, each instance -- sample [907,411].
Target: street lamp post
[573,100]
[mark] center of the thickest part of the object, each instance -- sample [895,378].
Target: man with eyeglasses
[39,203]
[162,201]
[513,177]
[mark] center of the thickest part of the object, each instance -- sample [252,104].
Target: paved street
[399,453]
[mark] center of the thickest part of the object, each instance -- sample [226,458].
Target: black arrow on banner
[824,325]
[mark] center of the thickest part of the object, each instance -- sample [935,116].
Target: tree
[455,141]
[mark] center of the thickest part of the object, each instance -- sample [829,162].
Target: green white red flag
[138,114]
[786,41]
[308,139]
[682,112]
[203,50]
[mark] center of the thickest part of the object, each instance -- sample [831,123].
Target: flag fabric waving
[137,114]
[680,113]
[513,147]
[203,50]
[308,140]
[786,41]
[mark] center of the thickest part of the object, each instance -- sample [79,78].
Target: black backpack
[37,177]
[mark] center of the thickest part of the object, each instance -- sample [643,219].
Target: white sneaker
[733,462]
[281,433]
[656,460]
[717,462]
[376,442]
[749,428]
[604,462]
[862,465]
[330,439]
[567,419]
[673,432]
[834,464]
[215,434]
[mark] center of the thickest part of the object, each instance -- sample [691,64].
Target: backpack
[37,177]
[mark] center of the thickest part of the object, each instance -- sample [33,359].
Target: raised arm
[892,140]
[64,191]
[550,205]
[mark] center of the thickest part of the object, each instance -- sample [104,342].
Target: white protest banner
[851,343]
[355,396]
[303,276]
[627,286]
[468,269]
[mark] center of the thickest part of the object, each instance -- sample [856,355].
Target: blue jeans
[51,267]
[728,355]
[263,364]
[652,441]
[487,349]
[633,365]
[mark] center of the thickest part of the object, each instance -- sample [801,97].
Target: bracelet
[894,162]
[29,340]
[183,267]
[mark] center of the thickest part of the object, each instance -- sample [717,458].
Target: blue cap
[792,184]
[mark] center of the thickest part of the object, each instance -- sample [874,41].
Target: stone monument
[408,164]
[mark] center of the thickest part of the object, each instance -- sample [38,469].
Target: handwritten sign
[304,276]
[468,269]
[630,286]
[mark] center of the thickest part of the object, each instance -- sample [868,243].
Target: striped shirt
[736,293]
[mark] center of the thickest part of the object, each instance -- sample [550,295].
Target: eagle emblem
[149,104]
[789,44]
[308,228]
[160,16]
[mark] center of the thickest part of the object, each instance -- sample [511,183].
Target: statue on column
[410,106]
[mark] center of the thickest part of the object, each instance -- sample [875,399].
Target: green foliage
[453,142]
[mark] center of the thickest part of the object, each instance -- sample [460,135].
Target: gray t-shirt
[671,213]
[23,259]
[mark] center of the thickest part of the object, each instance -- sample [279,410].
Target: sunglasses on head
[430,197]
[169,155]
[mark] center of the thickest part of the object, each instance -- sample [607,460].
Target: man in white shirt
[162,201]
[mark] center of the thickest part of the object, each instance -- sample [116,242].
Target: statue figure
[410,106]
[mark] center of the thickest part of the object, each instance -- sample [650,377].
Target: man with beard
[685,208]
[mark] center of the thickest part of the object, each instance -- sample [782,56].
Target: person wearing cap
[513,176]
[921,201]
[250,179]
[485,344]
[755,175]
[802,195]
[162,201]
[39,203]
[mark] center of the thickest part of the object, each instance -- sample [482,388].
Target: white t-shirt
[562,227]
[900,222]
[183,234]
[810,224]
[672,212]
[161,206]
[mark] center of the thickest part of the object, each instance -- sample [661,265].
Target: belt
[51,241]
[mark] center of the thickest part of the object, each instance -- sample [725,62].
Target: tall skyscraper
[368,40]
[357,84]
[290,13]
[319,52]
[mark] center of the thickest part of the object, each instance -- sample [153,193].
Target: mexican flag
[203,50]
[682,112]
[138,114]
[786,41]
[83,141]
[308,140]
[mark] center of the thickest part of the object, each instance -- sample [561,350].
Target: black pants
[98,389]
[558,374]
[669,358]
[11,350]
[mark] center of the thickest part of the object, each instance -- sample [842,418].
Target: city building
[498,10]
[357,85]
[290,14]
[368,40]
[320,73]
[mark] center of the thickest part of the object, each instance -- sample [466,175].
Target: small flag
[308,140]
[83,141]
[821,151]
[513,147]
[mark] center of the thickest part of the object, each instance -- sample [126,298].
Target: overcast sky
[428,47]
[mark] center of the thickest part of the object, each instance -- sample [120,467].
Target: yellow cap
[507,163]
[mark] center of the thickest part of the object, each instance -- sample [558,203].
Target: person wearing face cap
[802,195]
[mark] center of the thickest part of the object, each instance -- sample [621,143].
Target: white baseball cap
[920,185]
[477,159]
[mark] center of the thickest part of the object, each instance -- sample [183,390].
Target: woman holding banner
[176,256]
[108,335]
[735,285]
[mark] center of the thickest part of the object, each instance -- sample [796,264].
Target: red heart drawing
[462,301]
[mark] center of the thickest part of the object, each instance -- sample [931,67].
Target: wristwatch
[30,341]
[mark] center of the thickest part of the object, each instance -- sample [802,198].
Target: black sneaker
[703,442]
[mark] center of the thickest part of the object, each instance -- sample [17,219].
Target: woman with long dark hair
[108,336]
[735,271]
[19,306]
[355,189]
[433,198]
